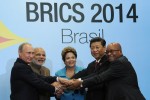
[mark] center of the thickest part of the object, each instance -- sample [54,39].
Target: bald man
[37,67]
[120,77]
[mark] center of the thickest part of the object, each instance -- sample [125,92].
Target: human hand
[59,92]
[75,84]
[64,81]
[59,89]
[56,84]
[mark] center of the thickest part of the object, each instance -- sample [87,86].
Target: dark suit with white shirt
[120,79]
[26,85]
[96,92]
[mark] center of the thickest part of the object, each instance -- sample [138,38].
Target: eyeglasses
[111,51]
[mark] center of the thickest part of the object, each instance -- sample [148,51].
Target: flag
[7,38]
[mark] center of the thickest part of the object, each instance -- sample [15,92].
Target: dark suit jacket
[25,84]
[121,81]
[96,92]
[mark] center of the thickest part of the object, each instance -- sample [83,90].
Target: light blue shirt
[69,94]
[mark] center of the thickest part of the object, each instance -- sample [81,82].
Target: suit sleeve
[116,70]
[84,72]
[80,74]
[40,82]
[48,79]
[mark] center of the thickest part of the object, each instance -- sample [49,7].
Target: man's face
[112,52]
[27,53]
[97,50]
[39,56]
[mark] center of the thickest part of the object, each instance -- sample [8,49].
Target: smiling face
[70,59]
[97,50]
[113,51]
[39,56]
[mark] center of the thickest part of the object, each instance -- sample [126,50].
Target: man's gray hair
[22,45]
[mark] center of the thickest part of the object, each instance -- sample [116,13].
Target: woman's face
[70,59]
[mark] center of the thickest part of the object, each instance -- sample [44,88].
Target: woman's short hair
[66,50]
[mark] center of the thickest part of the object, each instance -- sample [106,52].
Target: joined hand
[75,84]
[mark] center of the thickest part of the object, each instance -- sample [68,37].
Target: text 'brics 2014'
[78,12]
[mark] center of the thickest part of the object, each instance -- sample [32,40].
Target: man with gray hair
[120,78]
[37,67]
[25,84]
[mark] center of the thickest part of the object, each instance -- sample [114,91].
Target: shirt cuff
[57,79]
[81,81]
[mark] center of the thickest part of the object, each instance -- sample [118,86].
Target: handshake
[63,84]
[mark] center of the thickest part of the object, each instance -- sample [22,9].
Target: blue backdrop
[55,24]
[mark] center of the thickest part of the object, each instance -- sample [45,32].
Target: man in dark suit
[98,48]
[25,84]
[120,77]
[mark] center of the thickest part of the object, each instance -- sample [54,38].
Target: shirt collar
[98,60]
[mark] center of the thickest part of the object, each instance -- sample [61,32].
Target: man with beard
[25,84]
[37,67]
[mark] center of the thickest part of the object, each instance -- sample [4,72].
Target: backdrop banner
[55,24]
